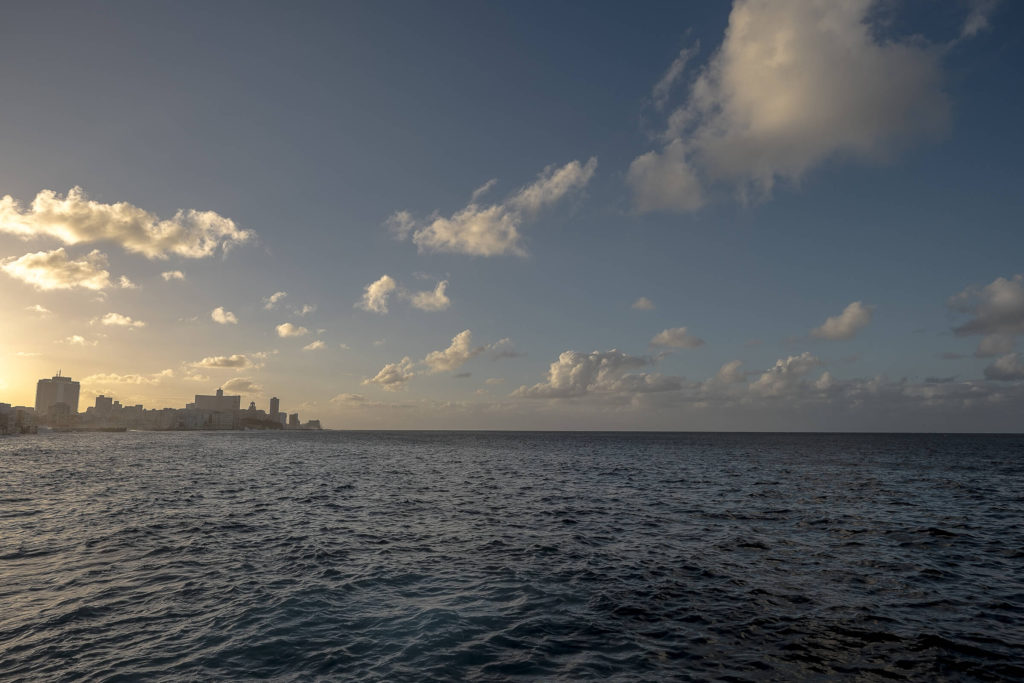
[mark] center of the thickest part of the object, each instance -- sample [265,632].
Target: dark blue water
[447,556]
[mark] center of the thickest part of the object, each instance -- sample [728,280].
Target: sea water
[491,556]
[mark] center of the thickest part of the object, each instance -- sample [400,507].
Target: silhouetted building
[293,420]
[50,392]
[218,403]
[275,408]
[104,404]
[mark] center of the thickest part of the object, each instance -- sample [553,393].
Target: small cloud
[79,340]
[677,338]
[26,354]
[125,283]
[273,300]
[223,317]
[380,342]
[41,310]
[432,301]
[113,378]
[169,275]
[643,304]
[242,385]
[845,325]
[494,380]
[458,352]
[344,347]
[482,190]
[503,349]
[235,361]
[118,320]
[314,346]
[375,295]
[393,376]
[290,330]
[305,310]
[1008,368]
[462,375]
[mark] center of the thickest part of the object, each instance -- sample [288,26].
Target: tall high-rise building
[58,389]
[275,408]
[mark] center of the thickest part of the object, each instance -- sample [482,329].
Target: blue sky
[750,169]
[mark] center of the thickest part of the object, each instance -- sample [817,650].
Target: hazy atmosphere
[702,216]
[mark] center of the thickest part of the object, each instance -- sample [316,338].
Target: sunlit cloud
[854,317]
[113,378]
[577,374]
[235,361]
[242,385]
[997,314]
[219,315]
[305,310]
[49,270]
[124,283]
[493,230]
[271,301]
[169,275]
[79,340]
[455,356]
[1007,368]
[315,346]
[291,330]
[119,320]
[677,338]
[793,84]
[75,219]
[375,295]
[41,310]
[393,376]
[435,300]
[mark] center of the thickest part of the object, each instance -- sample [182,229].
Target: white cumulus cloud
[493,230]
[223,317]
[291,330]
[577,374]
[273,300]
[119,320]
[854,317]
[794,83]
[393,376]
[48,270]
[458,352]
[375,294]
[677,338]
[75,219]
[643,304]
[786,376]
[435,300]
[169,275]
[997,314]
[314,346]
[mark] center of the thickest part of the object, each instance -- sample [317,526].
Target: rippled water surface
[414,556]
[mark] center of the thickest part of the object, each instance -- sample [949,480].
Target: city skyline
[742,216]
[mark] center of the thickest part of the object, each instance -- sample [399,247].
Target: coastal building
[275,409]
[58,389]
[218,403]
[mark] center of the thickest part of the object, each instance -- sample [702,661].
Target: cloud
[314,346]
[1006,368]
[978,17]
[494,380]
[493,230]
[462,375]
[503,348]
[375,295]
[458,352]
[79,340]
[793,84]
[26,354]
[730,373]
[290,330]
[223,317]
[431,301]
[482,190]
[673,74]
[242,385]
[75,219]
[125,283]
[643,304]
[305,310]
[118,320]
[273,300]
[786,376]
[677,338]
[577,374]
[854,317]
[41,310]
[169,275]
[997,311]
[236,360]
[113,378]
[393,376]
[47,270]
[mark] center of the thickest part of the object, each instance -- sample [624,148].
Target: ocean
[394,556]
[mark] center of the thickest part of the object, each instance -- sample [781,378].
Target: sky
[759,215]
